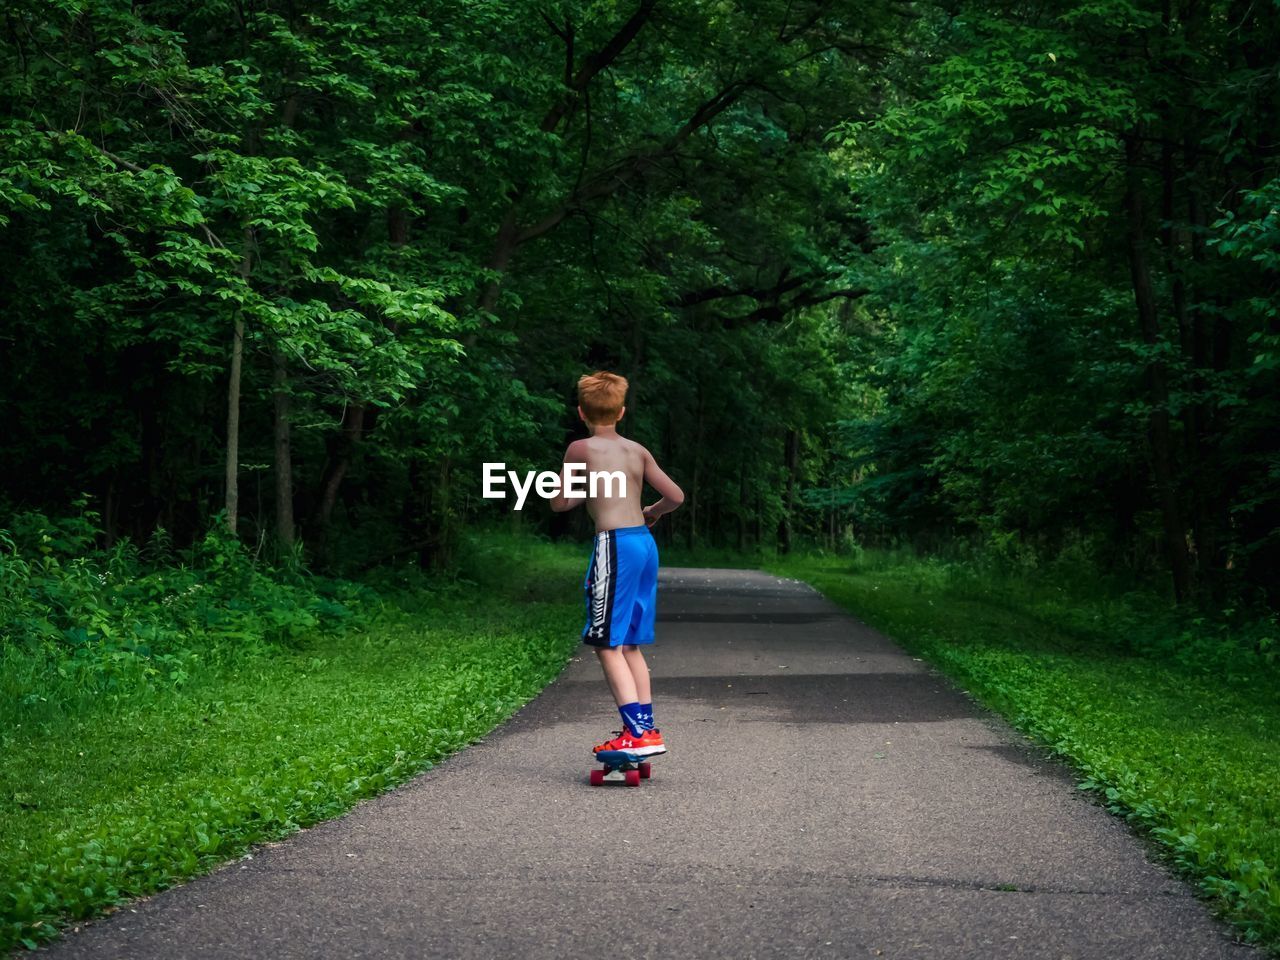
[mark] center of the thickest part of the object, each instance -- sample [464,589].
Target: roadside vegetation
[159,720]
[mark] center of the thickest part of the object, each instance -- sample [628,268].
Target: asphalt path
[824,795]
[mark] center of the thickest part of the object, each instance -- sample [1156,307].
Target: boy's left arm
[575,453]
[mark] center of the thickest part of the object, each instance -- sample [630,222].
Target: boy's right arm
[577,454]
[672,495]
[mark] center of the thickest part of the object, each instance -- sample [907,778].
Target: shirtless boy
[622,578]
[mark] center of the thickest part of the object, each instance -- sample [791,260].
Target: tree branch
[133,167]
[778,310]
[721,292]
[611,178]
[595,62]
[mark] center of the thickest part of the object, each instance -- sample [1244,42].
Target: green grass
[108,800]
[1175,726]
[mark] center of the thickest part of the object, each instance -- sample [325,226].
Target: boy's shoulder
[582,445]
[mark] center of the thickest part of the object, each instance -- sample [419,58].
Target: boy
[622,578]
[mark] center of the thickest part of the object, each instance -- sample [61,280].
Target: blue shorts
[621,588]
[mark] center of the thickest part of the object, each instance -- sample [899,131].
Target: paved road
[825,795]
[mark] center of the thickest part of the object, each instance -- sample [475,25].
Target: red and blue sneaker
[648,744]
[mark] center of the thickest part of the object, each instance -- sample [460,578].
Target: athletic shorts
[621,588]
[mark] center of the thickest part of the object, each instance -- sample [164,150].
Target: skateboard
[620,767]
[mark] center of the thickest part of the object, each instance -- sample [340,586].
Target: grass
[102,802]
[1175,725]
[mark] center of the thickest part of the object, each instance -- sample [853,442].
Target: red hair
[601,395]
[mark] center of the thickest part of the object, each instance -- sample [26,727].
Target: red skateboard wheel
[597,778]
[633,778]
[645,771]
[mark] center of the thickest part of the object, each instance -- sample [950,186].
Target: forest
[899,273]
[993,283]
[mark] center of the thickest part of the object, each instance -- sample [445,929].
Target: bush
[77,620]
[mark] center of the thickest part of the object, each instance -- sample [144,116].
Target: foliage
[249,752]
[1037,173]
[877,274]
[109,624]
[357,184]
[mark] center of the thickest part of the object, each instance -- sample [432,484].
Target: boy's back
[613,454]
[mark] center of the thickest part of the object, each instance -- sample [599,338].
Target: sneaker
[648,744]
[611,743]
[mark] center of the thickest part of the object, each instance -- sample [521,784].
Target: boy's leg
[602,586]
[639,672]
[643,617]
[623,686]
[623,570]
[617,672]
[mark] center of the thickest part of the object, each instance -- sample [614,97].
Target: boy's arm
[672,495]
[575,453]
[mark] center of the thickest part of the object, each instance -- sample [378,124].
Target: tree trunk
[577,80]
[357,420]
[109,513]
[1158,427]
[233,425]
[667,530]
[283,458]
[792,455]
[445,527]
[1212,517]
[233,393]
[504,245]
[1192,413]
[697,470]
[341,449]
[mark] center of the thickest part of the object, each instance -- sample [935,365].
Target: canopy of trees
[889,270]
